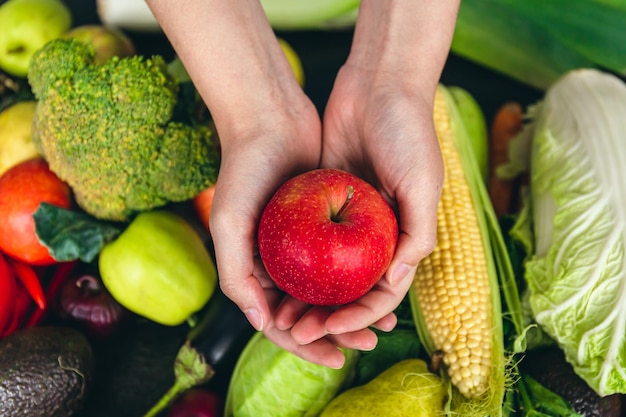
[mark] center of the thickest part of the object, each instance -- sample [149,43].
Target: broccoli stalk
[108,131]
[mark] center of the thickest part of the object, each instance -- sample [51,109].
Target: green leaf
[70,235]
[392,348]
[539,401]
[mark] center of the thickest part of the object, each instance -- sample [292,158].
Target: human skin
[377,124]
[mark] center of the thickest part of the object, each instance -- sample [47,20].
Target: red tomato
[22,188]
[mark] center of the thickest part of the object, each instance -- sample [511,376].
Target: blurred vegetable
[107,42]
[197,402]
[507,123]
[392,347]
[294,60]
[190,370]
[59,274]
[7,294]
[282,14]
[576,271]
[289,15]
[271,381]
[537,41]
[407,388]
[202,204]
[15,134]
[26,26]
[127,14]
[218,339]
[23,307]
[30,280]
[159,268]
[83,299]
[22,189]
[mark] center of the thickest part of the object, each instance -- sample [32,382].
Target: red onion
[85,300]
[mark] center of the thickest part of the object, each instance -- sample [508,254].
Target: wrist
[404,41]
[233,57]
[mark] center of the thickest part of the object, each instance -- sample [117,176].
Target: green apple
[106,41]
[25,26]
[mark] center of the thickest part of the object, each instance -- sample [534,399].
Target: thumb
[240,279]
[417,209]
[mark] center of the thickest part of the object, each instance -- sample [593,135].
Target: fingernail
[254,318]
[399,273]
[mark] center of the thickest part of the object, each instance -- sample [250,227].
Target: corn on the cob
[455,296]
[452,285]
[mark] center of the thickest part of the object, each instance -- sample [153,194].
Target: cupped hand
[380,128]
[257,157]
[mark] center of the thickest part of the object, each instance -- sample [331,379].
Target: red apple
[326,237]
[22,188]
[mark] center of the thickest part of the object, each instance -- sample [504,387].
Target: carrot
[202,204]
[507,122]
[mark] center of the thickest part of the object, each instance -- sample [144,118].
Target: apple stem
[350,194]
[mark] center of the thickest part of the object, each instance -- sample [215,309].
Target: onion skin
[85,300]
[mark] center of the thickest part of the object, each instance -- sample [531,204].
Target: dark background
[323,52]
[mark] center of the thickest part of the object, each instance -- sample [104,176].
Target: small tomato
[22,188]
[202,204]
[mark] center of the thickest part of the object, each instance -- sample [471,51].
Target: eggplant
[220,337]
[135,369]
[210,352]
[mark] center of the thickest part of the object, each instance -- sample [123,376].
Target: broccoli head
[108,130]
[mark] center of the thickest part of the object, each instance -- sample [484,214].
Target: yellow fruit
[294,61]
[15,134]
[408,388]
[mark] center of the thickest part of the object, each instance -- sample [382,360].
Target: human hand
[381,129]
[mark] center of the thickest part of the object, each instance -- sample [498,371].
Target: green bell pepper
[159,268]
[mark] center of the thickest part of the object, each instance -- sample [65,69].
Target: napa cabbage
[576,272]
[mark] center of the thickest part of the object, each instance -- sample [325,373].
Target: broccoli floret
[107,130]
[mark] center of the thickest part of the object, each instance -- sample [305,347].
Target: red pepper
[7,293]
[23,305]
[60,274]
[29,278]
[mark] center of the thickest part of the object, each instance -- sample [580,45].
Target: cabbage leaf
[270,381]
[577,273]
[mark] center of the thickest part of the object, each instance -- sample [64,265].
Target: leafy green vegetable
[392,347]
[270,381]
[539,401]
[576,272]
[70,235]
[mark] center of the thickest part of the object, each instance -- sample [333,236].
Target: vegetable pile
[108,289]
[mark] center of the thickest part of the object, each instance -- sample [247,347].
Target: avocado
[45,372]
